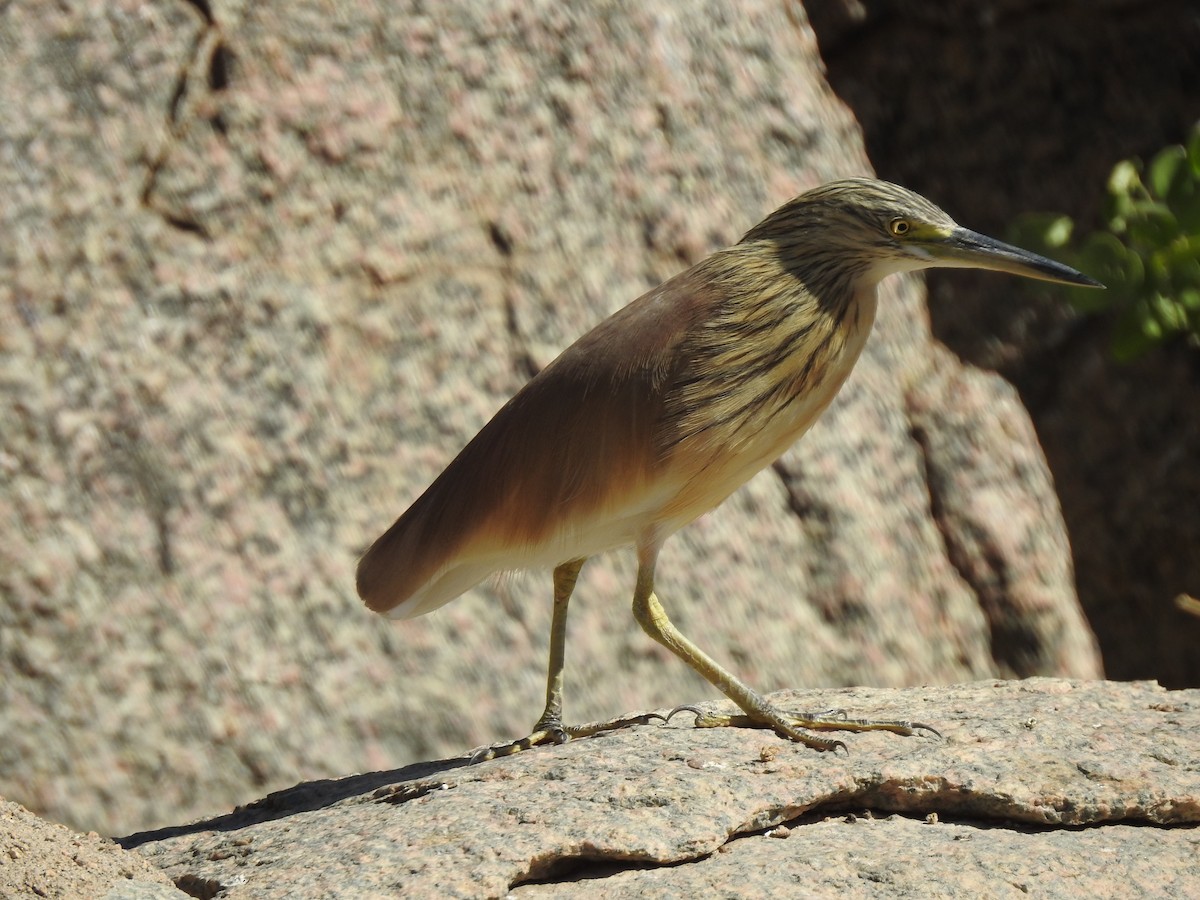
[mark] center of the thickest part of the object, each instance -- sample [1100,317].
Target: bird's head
[863,228]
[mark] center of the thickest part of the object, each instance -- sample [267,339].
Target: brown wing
[581,435]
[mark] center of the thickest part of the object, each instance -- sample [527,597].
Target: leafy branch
[1148,255]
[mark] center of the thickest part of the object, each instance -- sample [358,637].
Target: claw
[797,726]
[695,710]
[901,727]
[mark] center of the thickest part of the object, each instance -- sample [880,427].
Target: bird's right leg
[759,713]
[549,729]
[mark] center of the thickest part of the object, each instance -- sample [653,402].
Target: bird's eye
[899,227]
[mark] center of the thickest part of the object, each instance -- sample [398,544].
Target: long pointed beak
[963,248]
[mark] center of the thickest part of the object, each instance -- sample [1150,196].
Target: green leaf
[1193,151]
[1042,232]
[1185,203]
[1058,232]
[1182,260]
[1109,261]
[1124,180]
[1151,224]
[1168,165]
[1168,316]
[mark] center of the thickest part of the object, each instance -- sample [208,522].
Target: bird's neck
[774,349]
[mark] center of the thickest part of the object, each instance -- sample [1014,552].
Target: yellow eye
[899,227]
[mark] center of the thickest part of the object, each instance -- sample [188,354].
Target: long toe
[841,723]
[554,732]
[798,726]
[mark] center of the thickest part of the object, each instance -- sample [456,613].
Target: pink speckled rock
[993,808]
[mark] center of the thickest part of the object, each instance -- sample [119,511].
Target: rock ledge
[997,806]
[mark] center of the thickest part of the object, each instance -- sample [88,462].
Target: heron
[660,412]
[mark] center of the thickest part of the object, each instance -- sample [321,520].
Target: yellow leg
[759,713]
[565,577]
[549,728]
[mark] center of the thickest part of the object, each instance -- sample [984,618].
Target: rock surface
[44,859]
[1046,787]
[266,269]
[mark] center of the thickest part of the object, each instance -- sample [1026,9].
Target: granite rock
[1042,786]
[44,859]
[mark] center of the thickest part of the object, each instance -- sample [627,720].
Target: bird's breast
[757,414]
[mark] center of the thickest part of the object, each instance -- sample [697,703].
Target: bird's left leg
[549,728]
[759,713]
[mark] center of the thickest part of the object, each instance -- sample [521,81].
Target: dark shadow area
[564,870]
[406,784]
[998,109]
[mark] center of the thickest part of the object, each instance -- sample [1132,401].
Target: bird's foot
[540,736]
[799,726]
[553,731]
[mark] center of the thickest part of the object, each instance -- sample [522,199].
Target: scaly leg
[549,729]
[759,713]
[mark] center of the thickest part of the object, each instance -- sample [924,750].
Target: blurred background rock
[266,267]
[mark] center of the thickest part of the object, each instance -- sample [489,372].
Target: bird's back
[550,476]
